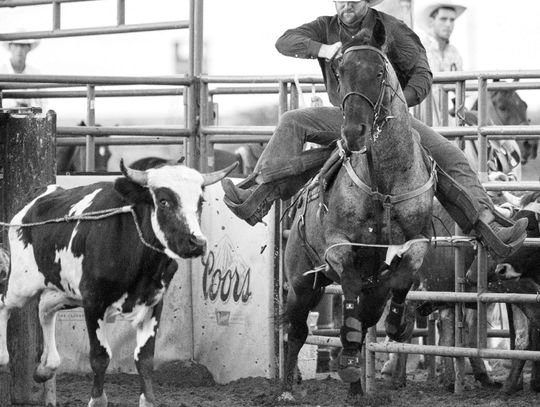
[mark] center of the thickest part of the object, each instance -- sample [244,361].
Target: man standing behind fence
[437,19]
[17,64]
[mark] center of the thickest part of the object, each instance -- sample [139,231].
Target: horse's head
[363,75]
[510,109]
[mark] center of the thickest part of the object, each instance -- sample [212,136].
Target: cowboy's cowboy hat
[424,17]
[33,43]
[371,2]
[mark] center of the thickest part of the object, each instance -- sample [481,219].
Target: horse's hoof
[490,384]
[350,374]
[353,398]
[535,385]
[510,389]
[99,402]
[286,396]
[43,373]
[144,402]
[401,333]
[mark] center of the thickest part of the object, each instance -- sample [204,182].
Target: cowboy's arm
[307,41]
[408,55]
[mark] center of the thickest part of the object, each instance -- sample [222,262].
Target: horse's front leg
[352,332]
[399,322]
[344,263]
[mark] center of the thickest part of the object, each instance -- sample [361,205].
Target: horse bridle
[380,113]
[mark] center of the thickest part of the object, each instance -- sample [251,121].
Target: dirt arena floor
[179,385]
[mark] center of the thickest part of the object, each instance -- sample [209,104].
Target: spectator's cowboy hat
[33,43]
[371,2]
[423,19]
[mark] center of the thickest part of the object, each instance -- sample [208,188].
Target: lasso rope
[93,215]
[451,239]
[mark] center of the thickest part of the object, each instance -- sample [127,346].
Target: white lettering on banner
[225,277]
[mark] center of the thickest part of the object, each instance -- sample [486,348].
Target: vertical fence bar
[207,149]
[371,336]
[482,254]
[429,109]
[120,12]
[459,268]
[294,99]
[56,7]
[444,108]
[90,121]
[283,107]
[195,69]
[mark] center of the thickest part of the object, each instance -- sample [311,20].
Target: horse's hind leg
[301,298]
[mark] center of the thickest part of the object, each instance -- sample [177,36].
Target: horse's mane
[375,37]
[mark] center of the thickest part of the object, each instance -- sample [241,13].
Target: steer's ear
[132,192]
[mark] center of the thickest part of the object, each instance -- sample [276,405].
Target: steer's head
[175,193]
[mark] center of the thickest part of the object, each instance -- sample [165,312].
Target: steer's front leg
[100,353]
[144,354]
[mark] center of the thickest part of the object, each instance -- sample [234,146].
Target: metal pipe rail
[449,351]
[79,32]
[20,3]
[121,141]
[258,90]
[97,131]
[44,94]
[491,333]
[473,86]
[257,79]
[81,80]
[447,296]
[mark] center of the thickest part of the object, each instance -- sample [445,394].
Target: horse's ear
[379,34]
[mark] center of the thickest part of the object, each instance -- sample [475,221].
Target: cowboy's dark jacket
[403,48]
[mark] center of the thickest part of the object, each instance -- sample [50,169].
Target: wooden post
[29,163]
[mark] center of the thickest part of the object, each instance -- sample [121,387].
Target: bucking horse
[369,224]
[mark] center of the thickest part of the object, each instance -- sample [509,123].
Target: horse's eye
[380,74]
[164,203]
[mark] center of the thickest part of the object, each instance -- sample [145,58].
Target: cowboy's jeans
[322,125]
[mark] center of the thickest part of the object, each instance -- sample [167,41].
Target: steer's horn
[213,177]
[138,177]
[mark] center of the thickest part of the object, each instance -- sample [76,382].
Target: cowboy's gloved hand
[330,51]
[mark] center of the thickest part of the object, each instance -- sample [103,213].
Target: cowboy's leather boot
[251,204]
[502,237]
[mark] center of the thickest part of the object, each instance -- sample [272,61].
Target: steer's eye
[164,203]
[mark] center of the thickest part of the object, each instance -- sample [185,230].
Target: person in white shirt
[438,19]
[17,64]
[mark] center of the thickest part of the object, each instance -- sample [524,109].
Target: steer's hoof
[43,373]
[98,402]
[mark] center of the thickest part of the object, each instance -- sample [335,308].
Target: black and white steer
[120,264]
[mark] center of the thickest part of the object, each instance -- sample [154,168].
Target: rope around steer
[94,215]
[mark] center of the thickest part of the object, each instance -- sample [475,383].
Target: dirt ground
[189,385]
